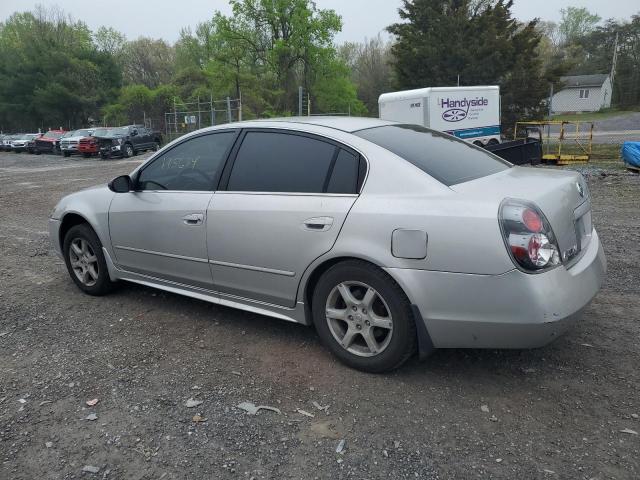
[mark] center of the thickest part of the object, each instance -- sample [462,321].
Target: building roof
[575,81]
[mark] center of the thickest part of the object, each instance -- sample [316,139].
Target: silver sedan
[390,239]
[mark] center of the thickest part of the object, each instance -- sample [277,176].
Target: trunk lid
[562,196]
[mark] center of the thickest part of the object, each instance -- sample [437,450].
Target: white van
[469,113]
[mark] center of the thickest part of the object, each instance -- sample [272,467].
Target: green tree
[268,48]
[370,66]
[51,73]
[576,23]
[147,61]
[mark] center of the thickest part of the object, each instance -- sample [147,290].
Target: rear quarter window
[444,157]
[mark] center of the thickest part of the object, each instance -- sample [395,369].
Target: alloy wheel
[84,261]
[359,318]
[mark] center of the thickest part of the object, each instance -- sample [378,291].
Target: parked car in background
[70,141]
[390,238]
[49,142]
[88,146]
[5,145]
[21,143]
[126,141]
[31,144]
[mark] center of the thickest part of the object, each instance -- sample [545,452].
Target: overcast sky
[361,18]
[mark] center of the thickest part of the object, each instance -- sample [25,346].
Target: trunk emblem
[580,189]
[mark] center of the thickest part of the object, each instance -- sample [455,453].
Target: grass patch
[599,151]
[592,116]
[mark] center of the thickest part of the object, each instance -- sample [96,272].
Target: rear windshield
[444,157]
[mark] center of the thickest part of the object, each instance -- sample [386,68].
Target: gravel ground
[557,412]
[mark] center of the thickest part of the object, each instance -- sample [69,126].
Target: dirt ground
[560,412]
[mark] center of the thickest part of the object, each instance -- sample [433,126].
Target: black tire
[104,156]
[103,283]
[156,146]
[478,143]
[403,342]
[493,141]
[66,154]
[86,155]
[128,151]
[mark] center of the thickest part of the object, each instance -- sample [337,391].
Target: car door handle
[318,224]
[193,219]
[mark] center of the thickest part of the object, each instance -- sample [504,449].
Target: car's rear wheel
[364,317]
[85,261]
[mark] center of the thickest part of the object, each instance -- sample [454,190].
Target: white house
[582,93]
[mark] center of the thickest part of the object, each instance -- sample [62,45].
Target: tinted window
[446,158]
[280,162]
[344,178]
[193,165]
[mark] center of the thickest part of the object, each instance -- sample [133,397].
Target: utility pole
[212,107]
[300,93]
[550,100]
[614,63]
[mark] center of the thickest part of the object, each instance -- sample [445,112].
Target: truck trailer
[469,113]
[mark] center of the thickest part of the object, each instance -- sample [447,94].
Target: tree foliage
[576,23]
[51,73]
[266,50]
[370,66]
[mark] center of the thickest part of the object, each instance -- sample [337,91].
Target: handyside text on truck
[469,113]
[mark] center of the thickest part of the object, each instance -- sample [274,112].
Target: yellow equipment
[571,144]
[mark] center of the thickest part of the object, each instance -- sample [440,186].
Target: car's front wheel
[85,261]
[128,151]
[364,317]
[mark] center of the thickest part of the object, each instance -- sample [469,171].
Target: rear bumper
[512,310]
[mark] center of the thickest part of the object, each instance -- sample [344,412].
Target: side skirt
[295,315]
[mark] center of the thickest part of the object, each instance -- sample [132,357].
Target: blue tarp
[631,153]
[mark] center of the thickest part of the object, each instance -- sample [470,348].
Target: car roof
[345,124]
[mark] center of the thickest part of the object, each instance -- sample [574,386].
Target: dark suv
[126,141]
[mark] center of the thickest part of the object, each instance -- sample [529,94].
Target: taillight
[528,236]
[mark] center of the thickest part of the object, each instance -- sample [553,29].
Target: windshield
[85,132]
[110,132]
[28,136]
[53,134]
[444,157]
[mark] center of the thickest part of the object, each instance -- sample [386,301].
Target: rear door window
[344,177]
[281,163]
[444,157]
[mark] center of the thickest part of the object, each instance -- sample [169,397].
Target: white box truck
[469,113]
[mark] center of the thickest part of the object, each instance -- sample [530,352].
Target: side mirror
[134,133]
[121,184]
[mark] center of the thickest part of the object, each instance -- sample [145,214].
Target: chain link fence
[191,116]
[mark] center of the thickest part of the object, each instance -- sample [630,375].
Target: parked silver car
[389,238]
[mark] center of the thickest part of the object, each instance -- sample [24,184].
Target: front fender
[93,206]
